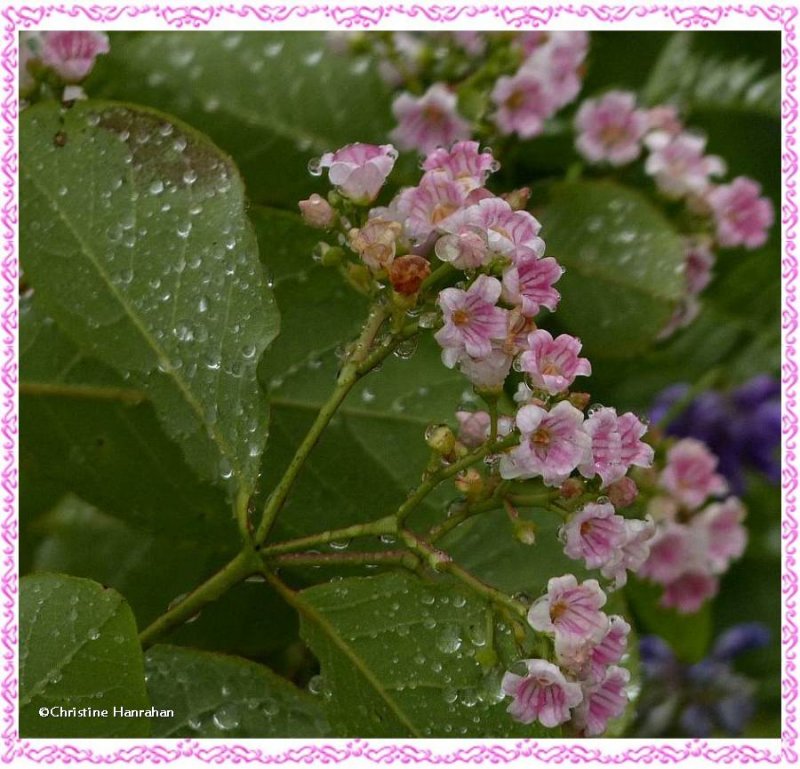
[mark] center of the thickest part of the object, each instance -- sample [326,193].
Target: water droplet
[315,685]
[183,229]
[225,468]
[367,395]
[157,187]
[94,634]
[190,176]
[449,640]
[342,544]
[406,348]
[270,708]
[315,167]
[226,717]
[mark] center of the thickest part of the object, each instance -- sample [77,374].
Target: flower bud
[525,531]
[623,492]
[571,488]
[470,483]
[317,212]
[580,400]
[408,272]
[518,199]
[327,255]
[441,439]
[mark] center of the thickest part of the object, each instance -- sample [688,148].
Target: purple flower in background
[742,427]
[700,700]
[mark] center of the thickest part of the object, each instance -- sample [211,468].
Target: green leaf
[153,569]
[273,100]
[486,547]
[135,238]
[88,430]
[401,658]
[695,81]
[374,450]
[78,649]
[213,695]
[624,265]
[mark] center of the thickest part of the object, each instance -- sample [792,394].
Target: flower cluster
[613,130]
[742,427]
[700,700]
[513,82]
[451,230]
[585,685]
[698,531]
[65,56]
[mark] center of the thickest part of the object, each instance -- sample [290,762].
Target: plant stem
[397,557]
[440,561]
[241,567]
[348,376]
[387,525]
[446,526]
[428,485]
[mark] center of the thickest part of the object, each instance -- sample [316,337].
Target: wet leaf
[135,239]
[78,649]
[213,695]
[401,658]
[624,265]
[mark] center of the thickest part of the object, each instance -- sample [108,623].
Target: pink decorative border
[367,17]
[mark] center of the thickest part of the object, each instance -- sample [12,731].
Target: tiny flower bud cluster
[612,129]
[584,685]
[699,530]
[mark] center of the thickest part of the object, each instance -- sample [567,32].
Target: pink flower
[529,283]
[742,215]
[71,55]
[671,554]
[610,128]
[487,373]
[523,103]
[571,611]
[359,170]
[690,591]
[553,364]
[376,242]
[616,445]
[678,164]
[466,249]
[513,234]
[431,205]
[725,537]
[463,163]
[552,446]
[664,118]
[689,474]
[594,534]
[543,694]
[471,319]
[602,702]
[634,551]
[473,427]
[429,121]
[560,57]
[699,262]
[611,648]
